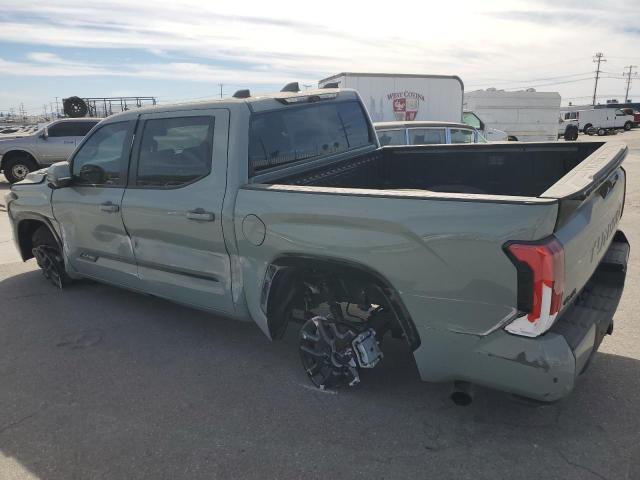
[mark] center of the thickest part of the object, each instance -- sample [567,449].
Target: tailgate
[588,214]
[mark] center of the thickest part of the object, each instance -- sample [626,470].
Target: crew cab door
[172,207]
[89,211]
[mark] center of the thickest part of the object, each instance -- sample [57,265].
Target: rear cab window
[427,136]
[462,135]
[397,136]
[311,131]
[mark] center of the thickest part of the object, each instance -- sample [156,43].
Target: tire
[17,167]
[628,126]
[601,132]
[75,107]
[49,257]
[586,128]
[571,133]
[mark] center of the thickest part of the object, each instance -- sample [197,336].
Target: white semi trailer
[402,97]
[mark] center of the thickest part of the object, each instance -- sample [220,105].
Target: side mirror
[45,133]
[59,175]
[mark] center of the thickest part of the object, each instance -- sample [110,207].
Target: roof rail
[291,87]
[331,85]
[245,93]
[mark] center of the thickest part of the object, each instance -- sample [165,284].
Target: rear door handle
[109,207]
[200,215]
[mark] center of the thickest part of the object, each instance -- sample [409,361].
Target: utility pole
[597,59]
[22,112]
[628,75]
[221,84]
[57,108]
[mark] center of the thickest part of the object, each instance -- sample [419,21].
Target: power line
[597,59]
[628,75]
[509,82]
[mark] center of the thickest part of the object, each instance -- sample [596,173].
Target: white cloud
[494,41]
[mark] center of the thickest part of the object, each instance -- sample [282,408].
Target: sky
[184,49]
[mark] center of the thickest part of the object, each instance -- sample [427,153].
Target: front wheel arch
[25,230]
[285,273]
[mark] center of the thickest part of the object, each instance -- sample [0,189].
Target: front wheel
[627,126]
[49,256]
[17,168]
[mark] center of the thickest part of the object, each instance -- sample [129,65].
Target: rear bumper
[545,368]
[585,323]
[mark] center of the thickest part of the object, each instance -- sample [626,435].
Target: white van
[526,116]
[600,119]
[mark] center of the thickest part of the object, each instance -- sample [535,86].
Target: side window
[427,136]
[461,135]
[103,158]
[472,120]
[175,151]
[61,129]
[392,137]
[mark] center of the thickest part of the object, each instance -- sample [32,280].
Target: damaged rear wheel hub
[332,352]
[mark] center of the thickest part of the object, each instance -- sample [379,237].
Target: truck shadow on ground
[99,382]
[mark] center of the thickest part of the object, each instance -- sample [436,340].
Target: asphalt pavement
[101,383]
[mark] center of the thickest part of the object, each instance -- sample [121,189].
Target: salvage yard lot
[98,382]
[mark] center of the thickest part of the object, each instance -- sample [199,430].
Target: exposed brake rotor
[331,352]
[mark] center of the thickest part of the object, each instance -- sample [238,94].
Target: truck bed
[524,170]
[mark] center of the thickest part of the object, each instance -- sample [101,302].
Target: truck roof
[398,75]
[258,103]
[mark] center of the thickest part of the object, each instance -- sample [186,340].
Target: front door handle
[200,215]
[109,207]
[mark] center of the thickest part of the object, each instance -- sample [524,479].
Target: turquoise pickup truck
[498,265]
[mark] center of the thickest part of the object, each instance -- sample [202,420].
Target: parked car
[490,134]
[497,264]
[26,153]
[426,133]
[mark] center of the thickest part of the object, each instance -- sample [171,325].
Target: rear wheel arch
[285,275]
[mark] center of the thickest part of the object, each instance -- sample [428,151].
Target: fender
[19,148]
[19,218]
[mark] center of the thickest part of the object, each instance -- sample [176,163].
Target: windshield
[311,131]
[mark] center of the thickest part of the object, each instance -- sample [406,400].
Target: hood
[11,136]
[33,178]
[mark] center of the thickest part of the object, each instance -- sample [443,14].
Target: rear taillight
[540,285]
